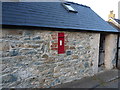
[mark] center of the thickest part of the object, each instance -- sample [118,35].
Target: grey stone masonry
[30,58]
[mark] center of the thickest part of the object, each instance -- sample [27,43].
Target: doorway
[101,62]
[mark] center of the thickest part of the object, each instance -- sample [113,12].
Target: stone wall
[110,51]
[30,58]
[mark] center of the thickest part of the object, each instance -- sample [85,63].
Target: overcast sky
[101,7]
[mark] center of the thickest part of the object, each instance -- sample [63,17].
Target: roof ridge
[77,4]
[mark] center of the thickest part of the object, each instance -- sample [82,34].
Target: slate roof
[117,20]
[54,15]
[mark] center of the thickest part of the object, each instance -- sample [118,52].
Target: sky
[101,7]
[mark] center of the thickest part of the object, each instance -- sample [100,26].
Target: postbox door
[61,43]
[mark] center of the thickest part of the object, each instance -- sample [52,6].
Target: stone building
[45,44]
[116,24]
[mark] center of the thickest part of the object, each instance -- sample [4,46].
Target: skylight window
[69,8]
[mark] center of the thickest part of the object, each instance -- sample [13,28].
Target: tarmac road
[112,84]
[107,79]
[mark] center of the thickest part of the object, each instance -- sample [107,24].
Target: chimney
[111,16]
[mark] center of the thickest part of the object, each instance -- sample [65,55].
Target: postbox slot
[60,42]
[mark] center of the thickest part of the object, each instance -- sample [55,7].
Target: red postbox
[61,47]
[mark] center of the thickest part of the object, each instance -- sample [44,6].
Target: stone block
[20,45]
[45,56]
[81,71]
[36,38]
[1,46]
[57,69]
[80,47]
[72,47]
[5,46]
[35,45]
[54,36]
[26,45]
[53,43]
[56,81]
[54,48]
[46,72]
[86,64]
[9,78]
[24,50]
[27,38]
[73,77]
[66,47]
[75,56]
[14,52]
[15,32]
[32,52]
[28,33]
[38,63]
[4,54]
[43,48]
[56,75]
[69,53]
[49,60]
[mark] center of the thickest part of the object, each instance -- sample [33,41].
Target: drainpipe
[117,52]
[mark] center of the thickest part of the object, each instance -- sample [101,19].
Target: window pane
[69,7]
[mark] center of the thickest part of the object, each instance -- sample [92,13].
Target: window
[69,7]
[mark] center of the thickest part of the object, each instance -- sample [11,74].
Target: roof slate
[54,15]
[117,20]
